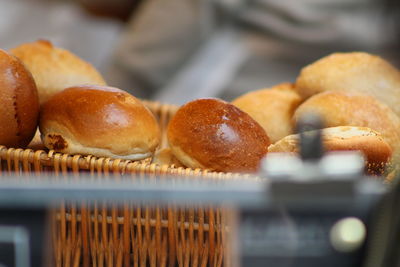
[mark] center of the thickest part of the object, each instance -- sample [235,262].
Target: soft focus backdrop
[177,50]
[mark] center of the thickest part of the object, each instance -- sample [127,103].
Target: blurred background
[177,50]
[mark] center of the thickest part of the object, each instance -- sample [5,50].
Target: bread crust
[213,134]
[350,109]
[352,72]
[376,150]
[98,120]
[55,69]
[272,108]
[19,109]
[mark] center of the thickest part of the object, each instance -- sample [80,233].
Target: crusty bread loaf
[272,108]
[101,121]
[216,135]
[19,103]
[55,69]
[376,151]
[348,109]
[352,72]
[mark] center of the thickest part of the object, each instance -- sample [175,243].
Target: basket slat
[130,235]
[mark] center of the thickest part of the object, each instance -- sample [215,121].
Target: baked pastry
[55,69]
[213,134]
[98,120]
[272,108]
[377,152]
[19,103]
[352,72]
[349,109]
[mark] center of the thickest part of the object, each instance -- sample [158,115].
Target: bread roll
[376,151]
[213,134]
[98,120]
[55,69]
[348,109]
[352,72]
[19,103]
[272,108]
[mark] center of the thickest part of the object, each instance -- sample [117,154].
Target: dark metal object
[312,197]
[294,216]
[311,146]
[23,236]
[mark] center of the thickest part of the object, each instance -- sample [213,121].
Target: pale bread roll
[352,72]
[166,157]
[348,109]
[55,69]
[216,135]
[272,108]
[377,152]
[100,121]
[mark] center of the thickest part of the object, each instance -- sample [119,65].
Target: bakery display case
[300,173]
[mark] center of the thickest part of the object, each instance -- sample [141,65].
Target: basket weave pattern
[134,234]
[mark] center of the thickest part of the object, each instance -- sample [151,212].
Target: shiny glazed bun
[376,151]
[55,69]
[272,108]
[347,109]
[19,103]
[98,120]
[352,72]
[216,135]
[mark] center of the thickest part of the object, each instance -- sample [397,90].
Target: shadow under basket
[133,234]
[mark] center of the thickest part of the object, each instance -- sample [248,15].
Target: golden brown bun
[376,151]
[216,135]
[55,69]
[352,72]
[19,103]
[98,120]
[347,109]
[272,108]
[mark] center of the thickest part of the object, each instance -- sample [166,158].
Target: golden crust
[55,69]
[98,120]
[19,109]
[213,134]
[352,72]
[272,108]
[376,151]
[348,109]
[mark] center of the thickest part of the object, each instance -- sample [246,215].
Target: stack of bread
[354,93]
[77,113]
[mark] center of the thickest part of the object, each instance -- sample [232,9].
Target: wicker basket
[132,235]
